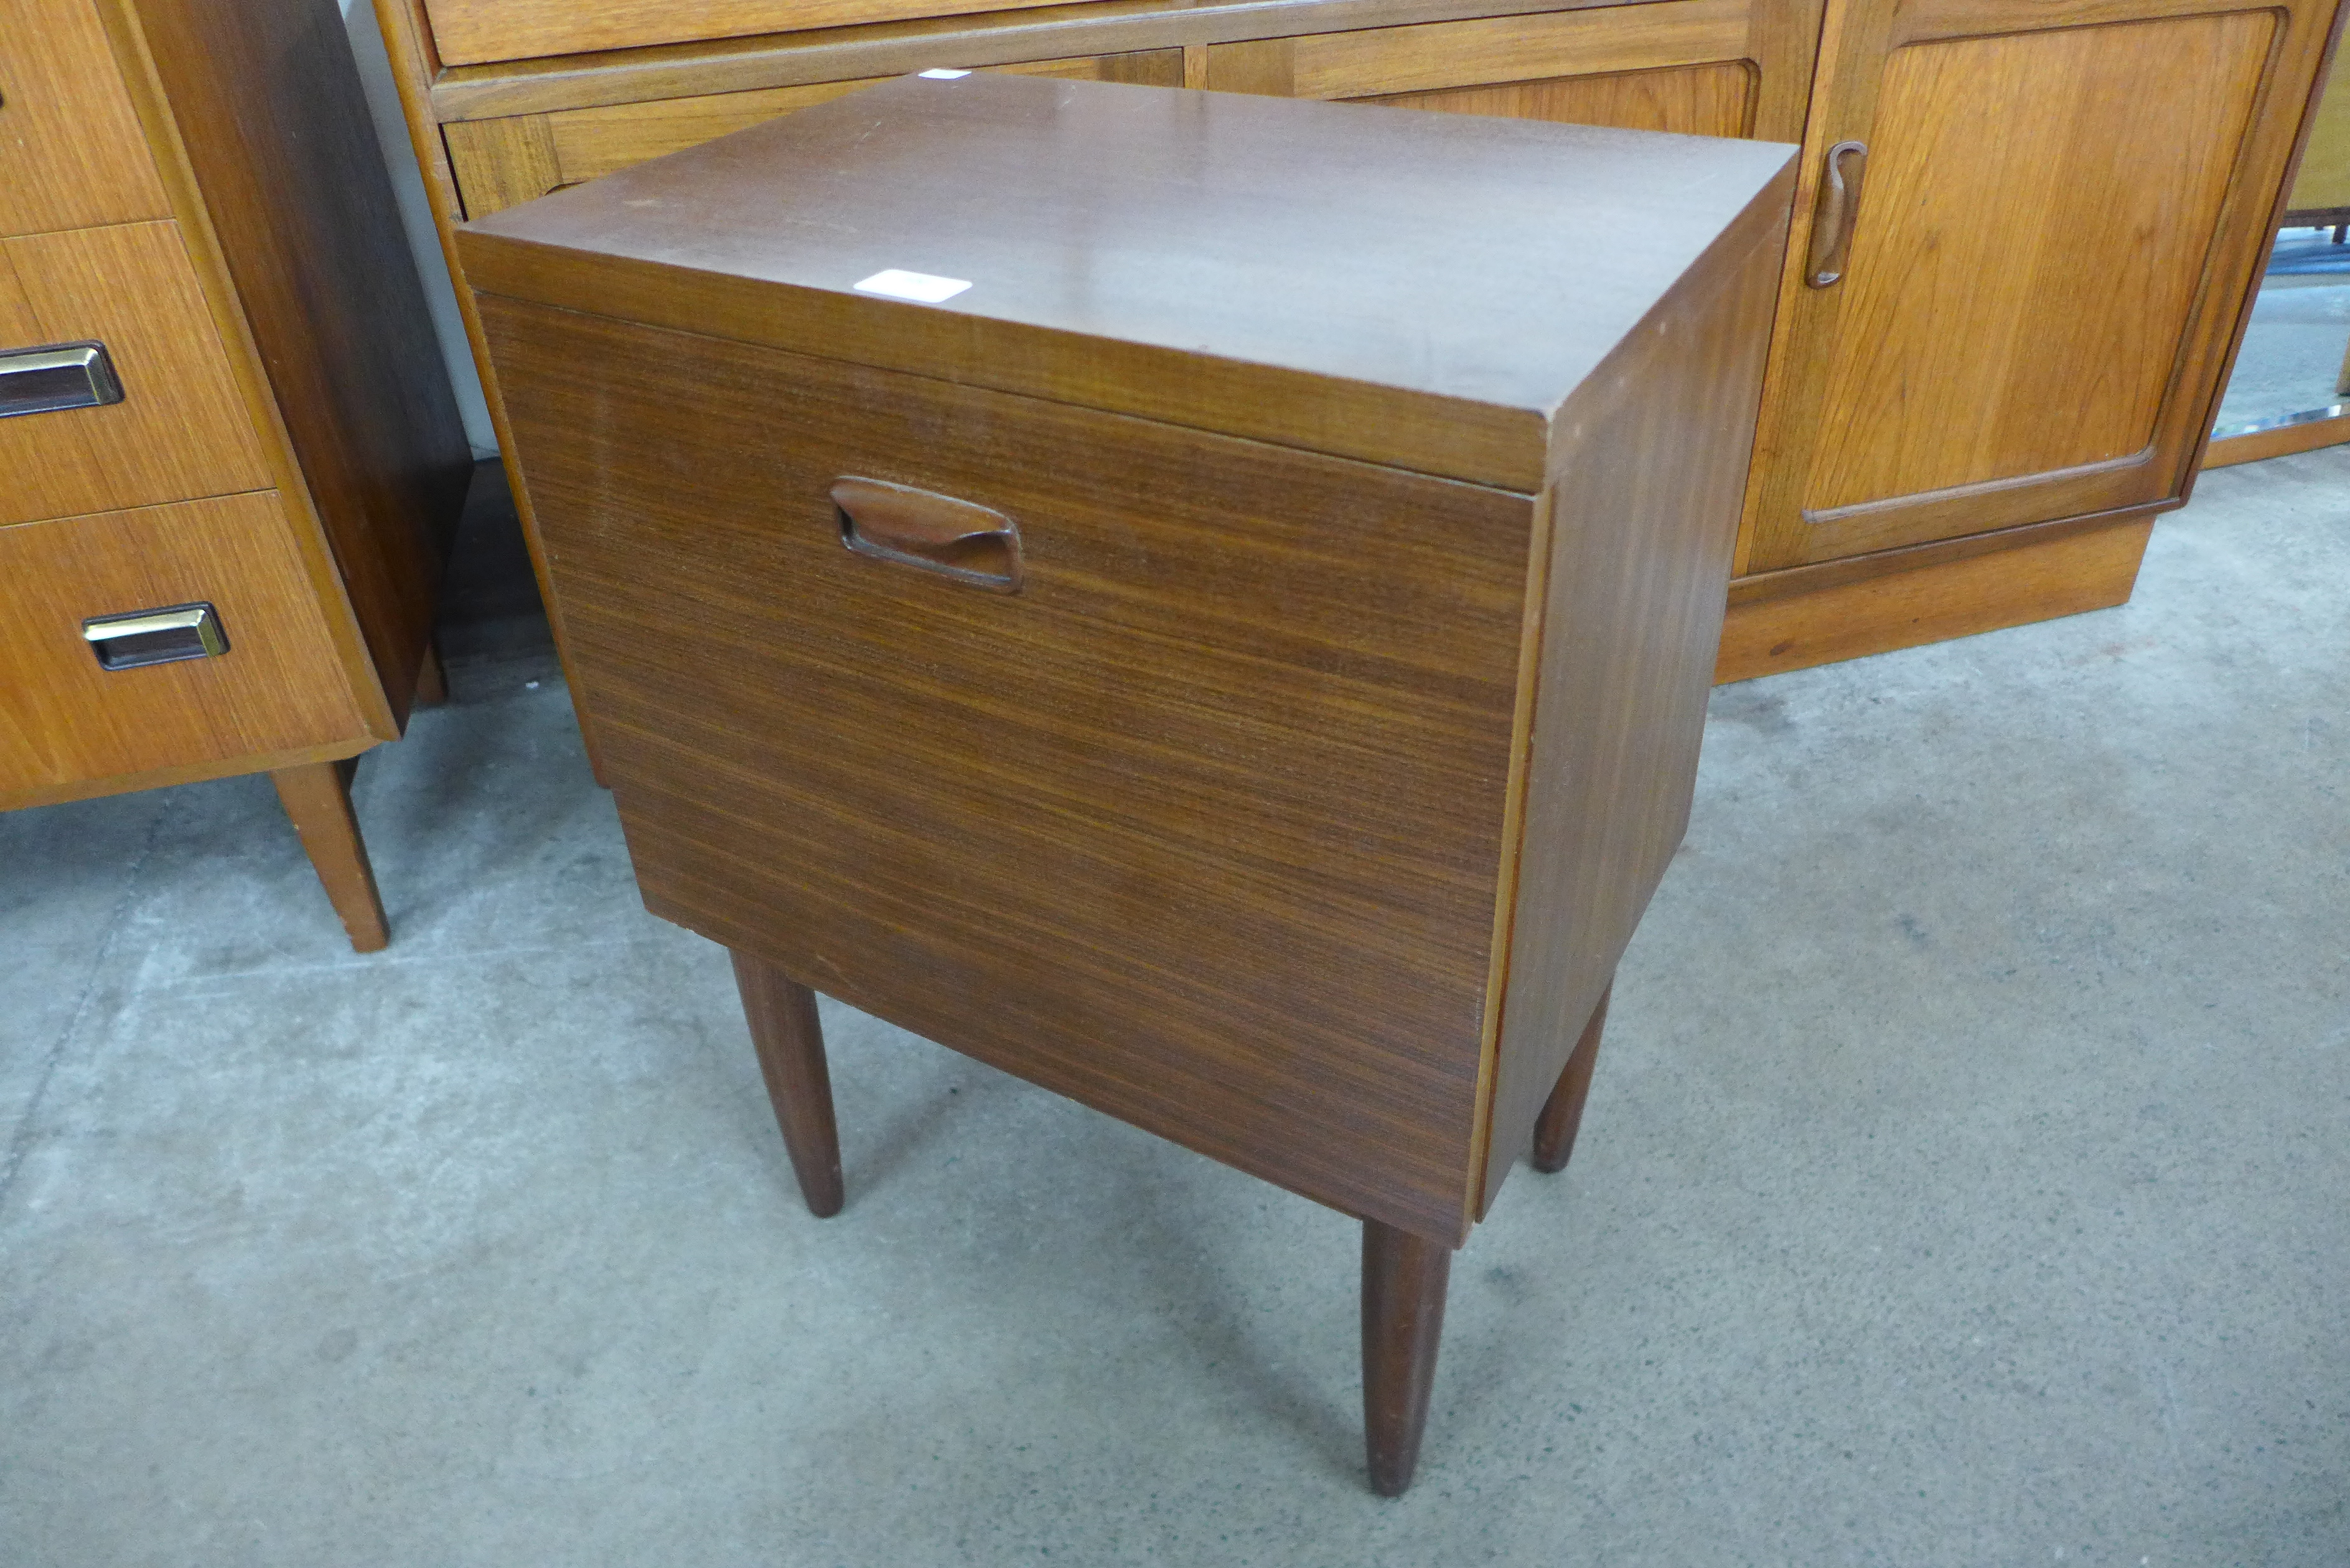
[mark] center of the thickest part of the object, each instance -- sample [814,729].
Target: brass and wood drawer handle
[155,636]
[57,376]
[960,540]
[1839,207]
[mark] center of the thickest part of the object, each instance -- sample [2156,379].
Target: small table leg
[432,680]
[1562,1112]
[1404,1278]
[318,796]
[790,1041]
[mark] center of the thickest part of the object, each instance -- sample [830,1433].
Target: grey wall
[416,217]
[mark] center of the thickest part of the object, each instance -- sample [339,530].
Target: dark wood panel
[265,106]
[1203,828]
[1644,518]
[1183,275]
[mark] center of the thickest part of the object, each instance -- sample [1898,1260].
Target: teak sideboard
[231,453]
[2025,238]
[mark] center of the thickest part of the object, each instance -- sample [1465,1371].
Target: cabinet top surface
[1490,261]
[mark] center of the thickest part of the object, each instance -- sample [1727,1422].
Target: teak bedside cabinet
[1237,658]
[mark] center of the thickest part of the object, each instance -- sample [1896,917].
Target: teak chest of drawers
[221,524]
[1238,660]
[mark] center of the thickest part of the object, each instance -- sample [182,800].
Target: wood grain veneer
[198,187]
[1813,615]
[470,30]
[501,162]
[1129,330]
[2087,323]
[1690,100]
[181,430]
[1201,828]
[454,93]
[1291,805]
[262,108]
[63,719]
[1217,822]
[1383,61]
[1969,375]
[1631,617]
[74,155]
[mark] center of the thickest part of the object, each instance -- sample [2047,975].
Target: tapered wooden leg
[431,682]
[318,796]
[782,1014]
[1404,1278]
[1562,1112]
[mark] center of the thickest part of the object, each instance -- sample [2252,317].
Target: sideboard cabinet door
[2056,219]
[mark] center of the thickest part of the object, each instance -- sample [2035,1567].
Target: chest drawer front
[71,147]
[1201,825]
[65,719]
[181,430]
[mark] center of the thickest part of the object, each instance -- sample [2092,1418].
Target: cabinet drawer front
[1201,825]
[64,719]
[181,430]
[71,146]
[501,162]
[470,32]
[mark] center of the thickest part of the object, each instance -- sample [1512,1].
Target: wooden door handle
[1839,207]
[960,540]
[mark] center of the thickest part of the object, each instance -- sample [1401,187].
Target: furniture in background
[2319,196]
[2046,220]
[2320,192]
[1238,662]
[233,455]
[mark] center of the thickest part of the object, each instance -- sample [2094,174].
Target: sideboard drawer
[64,718]
[181,430]
[515,158]
[469,32]
[68,140]
[1201,826]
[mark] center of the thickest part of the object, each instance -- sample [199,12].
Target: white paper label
[927,288]
[943,75]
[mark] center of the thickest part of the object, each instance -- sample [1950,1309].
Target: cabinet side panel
[1648,471]
[267,106]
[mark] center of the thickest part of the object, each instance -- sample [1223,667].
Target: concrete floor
[1964,1182]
